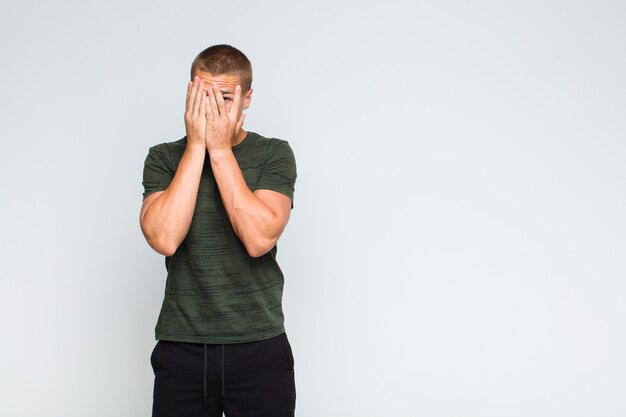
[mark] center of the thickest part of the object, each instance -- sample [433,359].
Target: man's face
[226,83]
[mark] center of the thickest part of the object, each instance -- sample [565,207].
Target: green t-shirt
[215,291]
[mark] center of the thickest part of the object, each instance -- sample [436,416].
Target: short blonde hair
[224,59]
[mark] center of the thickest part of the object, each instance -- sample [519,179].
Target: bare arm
[257,218]
[166,215]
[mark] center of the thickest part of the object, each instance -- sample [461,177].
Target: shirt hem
[220,340]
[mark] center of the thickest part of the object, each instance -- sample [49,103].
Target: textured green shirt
[215,292]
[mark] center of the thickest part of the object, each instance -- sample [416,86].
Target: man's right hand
[195,118]
[166,215]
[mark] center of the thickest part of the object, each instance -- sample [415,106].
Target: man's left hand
[222,126]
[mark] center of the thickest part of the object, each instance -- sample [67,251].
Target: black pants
[254,379]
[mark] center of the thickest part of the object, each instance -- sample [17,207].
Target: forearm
[256,225]
[166,221]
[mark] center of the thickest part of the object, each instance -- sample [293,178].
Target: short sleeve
[278,172]
[157,174]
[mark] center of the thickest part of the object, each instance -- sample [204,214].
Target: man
[215,204]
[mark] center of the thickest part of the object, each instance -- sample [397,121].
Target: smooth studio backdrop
[457,245]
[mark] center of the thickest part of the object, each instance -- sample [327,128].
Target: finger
[198,101]
[208,113]
[188,92]
[192,94]
[213,103]
[189,102]
[220,100]
[240,122]
[203,105]
[237,108]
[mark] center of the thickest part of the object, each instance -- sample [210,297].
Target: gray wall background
[457,243]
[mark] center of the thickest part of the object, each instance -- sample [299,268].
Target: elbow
[163,247]
[161,244]
[166,250]
[256,251]
[259,247]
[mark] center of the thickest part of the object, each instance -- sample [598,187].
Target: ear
[247,99]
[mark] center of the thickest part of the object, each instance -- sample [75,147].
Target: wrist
[195,148]
[217,154]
